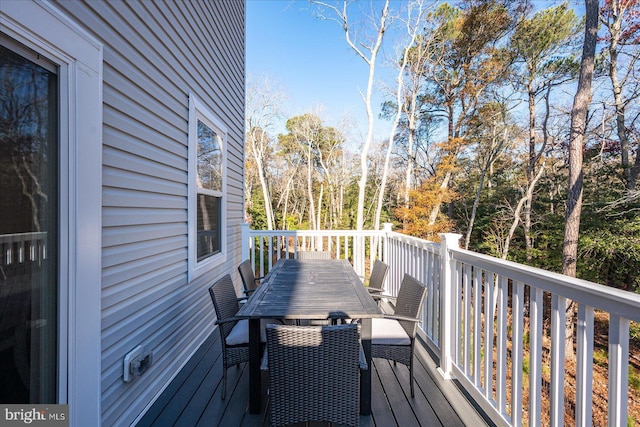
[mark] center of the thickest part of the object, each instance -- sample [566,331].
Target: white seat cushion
[240,332]
[388,332]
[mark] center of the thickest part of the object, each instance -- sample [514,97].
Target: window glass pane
[28,230]
[209,226]
[209,158]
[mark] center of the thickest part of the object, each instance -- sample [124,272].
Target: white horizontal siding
[155,54]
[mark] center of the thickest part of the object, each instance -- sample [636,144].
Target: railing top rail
[612,300]
[22,237]
[418,242]
[323,233]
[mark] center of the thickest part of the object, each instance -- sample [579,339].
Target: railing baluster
[535,355]
[558,324]
[501,350]
[584,375]
[488,335]
[261,254]
[618,370]
[477,326]
[517,317]
[467,320]
[457,311]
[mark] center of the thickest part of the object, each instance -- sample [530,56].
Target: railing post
[387,228]
[447,302]
[244,227]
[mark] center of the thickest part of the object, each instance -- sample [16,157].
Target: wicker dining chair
[234,332]
[393,336]
[314,374]
[376,279]
[249,280]
[314,255]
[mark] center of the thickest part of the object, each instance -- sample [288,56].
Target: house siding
[155,54]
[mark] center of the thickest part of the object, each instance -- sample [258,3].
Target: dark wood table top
[310,289]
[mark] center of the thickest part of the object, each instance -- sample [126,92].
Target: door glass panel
[28,227]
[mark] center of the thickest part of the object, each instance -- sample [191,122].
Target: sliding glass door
[28,225]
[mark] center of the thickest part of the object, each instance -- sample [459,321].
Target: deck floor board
[194,396]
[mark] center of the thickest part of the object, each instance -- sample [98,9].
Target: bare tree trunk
[531,172]
[261,112]
[474,209]
[413,26]
[635,171]
[516,214]
[436,208]
[576,143]
[312,208]
[409,171]
[373,50]
[445,182]
[618,10]
[494,151]
[264,186]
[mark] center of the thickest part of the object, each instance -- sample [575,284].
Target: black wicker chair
[393,336]
[249,280]
[314,374]
[376,279]
[234,332]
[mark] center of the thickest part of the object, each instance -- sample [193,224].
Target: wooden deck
[193,398]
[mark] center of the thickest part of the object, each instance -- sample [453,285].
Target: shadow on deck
[193,397]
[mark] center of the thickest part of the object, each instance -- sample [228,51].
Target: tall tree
[368,51]
[464,63]
[415,12]
[315,149]
[262,112]
[535,44]
[621,18]
[581,103]
[302,140]
[491,134]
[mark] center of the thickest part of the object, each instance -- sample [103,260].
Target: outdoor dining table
[309,289]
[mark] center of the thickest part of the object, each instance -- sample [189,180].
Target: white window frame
[78,55]
[199,111]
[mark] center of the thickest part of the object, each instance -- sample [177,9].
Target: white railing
[493,296]
[477,305]
[21,250]
[264,248]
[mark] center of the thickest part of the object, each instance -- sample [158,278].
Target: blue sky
[311,61]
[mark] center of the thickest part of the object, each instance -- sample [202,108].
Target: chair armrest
[378,296]
[363,359]
[403,318]
[230,319]
[374,290]
[264,365]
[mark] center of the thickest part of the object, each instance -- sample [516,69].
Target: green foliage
[610,242]
[634,378]
[634,330]
[601,357]
[538,38]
